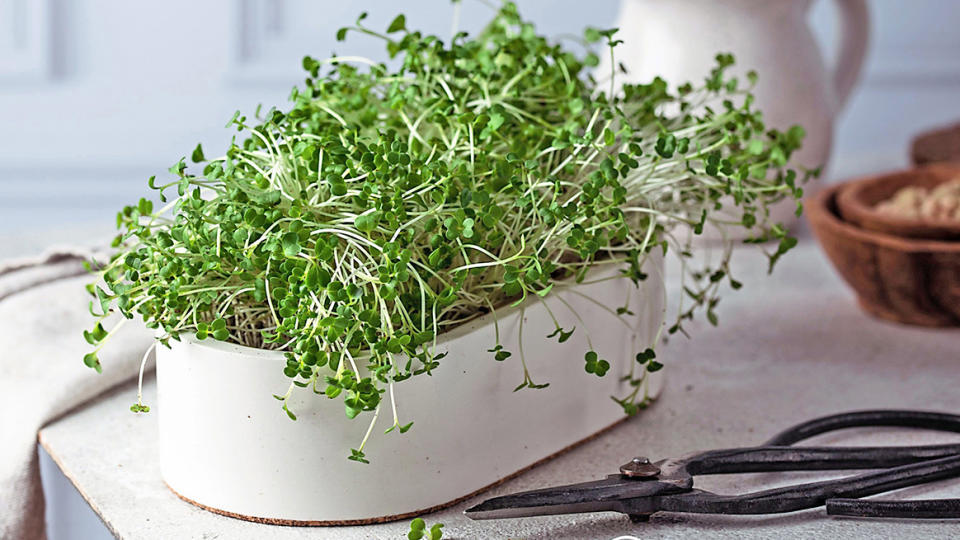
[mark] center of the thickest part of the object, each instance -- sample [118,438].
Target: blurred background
[97,95]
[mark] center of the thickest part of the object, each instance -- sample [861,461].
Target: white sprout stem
[393,405]
[143,365]
[366,436]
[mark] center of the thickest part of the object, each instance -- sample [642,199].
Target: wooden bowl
[913,281]
[940,144]
[857,200]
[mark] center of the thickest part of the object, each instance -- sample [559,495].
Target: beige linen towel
[43,312]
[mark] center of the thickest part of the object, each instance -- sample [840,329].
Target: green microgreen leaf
[419,530]
[91,361]
[197,155]
[399,23]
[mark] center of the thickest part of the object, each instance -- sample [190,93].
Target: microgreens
[388,206]
[419,530]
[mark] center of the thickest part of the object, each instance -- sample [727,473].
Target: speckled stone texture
[789,348]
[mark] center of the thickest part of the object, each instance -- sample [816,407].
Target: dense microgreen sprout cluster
[387,206]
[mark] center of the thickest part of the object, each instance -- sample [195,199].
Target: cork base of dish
[395,517]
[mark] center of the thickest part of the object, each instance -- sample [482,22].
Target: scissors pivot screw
[640,468]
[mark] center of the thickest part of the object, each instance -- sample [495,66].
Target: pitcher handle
[854,38]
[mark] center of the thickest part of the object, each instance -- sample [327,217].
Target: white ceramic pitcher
[678,39]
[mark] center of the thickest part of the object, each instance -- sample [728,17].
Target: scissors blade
[597,496]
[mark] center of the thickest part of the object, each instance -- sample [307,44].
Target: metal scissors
[643,488]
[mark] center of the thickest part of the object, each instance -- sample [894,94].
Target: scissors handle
[811,495]
[778,454]
[924,509]
[813,458]
[873,418]
[904,466]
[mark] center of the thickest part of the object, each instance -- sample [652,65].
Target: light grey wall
[97,95]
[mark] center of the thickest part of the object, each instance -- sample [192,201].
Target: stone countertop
[789,348]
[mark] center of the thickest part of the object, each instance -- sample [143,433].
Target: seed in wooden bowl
[937,204]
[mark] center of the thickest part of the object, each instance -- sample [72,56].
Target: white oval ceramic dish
[226,445]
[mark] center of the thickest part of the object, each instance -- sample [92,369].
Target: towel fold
[43,312]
